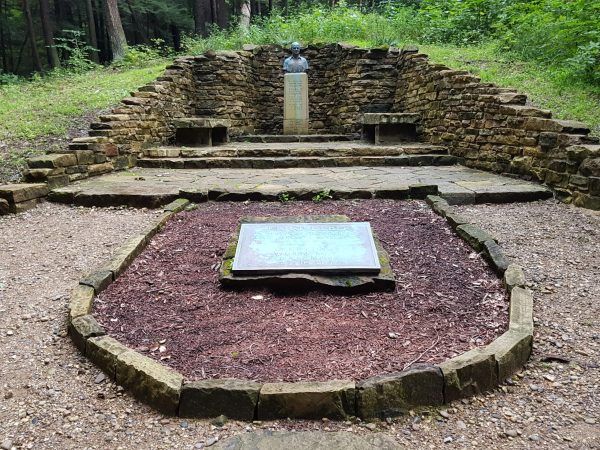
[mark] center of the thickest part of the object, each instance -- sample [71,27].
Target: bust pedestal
[295,99]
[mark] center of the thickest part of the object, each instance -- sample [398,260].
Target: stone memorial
[295,93]
[346,247]
[306,252]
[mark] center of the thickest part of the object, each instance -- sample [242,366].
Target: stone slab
[469,374]
[236,399]
[295,99]
[155,187]
[307,400]
[22,192]
[303,440]
[394,394]
[392,118]
[382,281]
[149,381]
[201,122]
[266,248]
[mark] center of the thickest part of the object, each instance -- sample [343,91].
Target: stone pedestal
[295,110]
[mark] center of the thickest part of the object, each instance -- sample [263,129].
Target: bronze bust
[295,63]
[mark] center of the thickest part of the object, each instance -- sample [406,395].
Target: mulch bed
[169,303]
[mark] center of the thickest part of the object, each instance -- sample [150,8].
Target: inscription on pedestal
[295,96]
[265,248]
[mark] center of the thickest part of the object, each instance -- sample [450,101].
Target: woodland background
[64,62]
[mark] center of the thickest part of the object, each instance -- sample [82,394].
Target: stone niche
[247,87]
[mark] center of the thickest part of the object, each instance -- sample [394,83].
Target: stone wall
[494,129]
[143,119]
[247,87]
[491,128]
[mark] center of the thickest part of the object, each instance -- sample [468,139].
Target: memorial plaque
[295,99]
[267,248]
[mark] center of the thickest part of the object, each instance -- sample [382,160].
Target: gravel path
[50,398]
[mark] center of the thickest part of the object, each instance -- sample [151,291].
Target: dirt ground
[52,398]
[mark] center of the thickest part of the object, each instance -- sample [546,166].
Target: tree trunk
[92,36]
[201,16]
[176,35]
[139,35]
[37,65]
[51,52]
[214,13]
[222,16]
[286,8]
[245,11]
[114,28]
[270,6]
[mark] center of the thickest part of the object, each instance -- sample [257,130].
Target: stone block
[124,256]
[398,193]
[511,351]
[22,192]
[104,351]
[52,161]
[590,167]
[595,186]
[81,301]
[149,381]
[514,277]
[455,220]
[307,400]
[469,374]
[4,207]
[98,169]
[421,191]
[82,328]
[496,257]
[58,181]
[394,394]
[177,205]
[236,399]
[99,280]
[474,236]
[521,310]
[18,208]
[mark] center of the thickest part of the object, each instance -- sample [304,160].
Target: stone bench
[201,131]
[391,128]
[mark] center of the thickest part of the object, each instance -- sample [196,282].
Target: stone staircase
[279,151]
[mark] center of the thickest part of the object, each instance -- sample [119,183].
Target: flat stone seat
[384,118]
[388,128]
[201,131]
[20,197]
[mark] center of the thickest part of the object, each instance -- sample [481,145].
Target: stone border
[476,371]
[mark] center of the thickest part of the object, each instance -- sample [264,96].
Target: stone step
[258,150]
[20,197]
[290,162]
[279,138]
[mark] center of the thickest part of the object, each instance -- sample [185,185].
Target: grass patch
[547,87]
[47,106]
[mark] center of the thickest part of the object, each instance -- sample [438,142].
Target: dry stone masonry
[485,126]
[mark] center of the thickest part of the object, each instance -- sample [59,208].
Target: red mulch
[170,306]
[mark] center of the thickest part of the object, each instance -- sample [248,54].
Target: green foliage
[394,25]
[9,78]
[325,194]
[461,21]
[47,105]
[285,197]
[141,55]
[74,52]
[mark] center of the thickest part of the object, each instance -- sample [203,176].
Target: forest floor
[52,397]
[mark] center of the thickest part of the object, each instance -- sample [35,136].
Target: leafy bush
[141,55]
[74,52]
